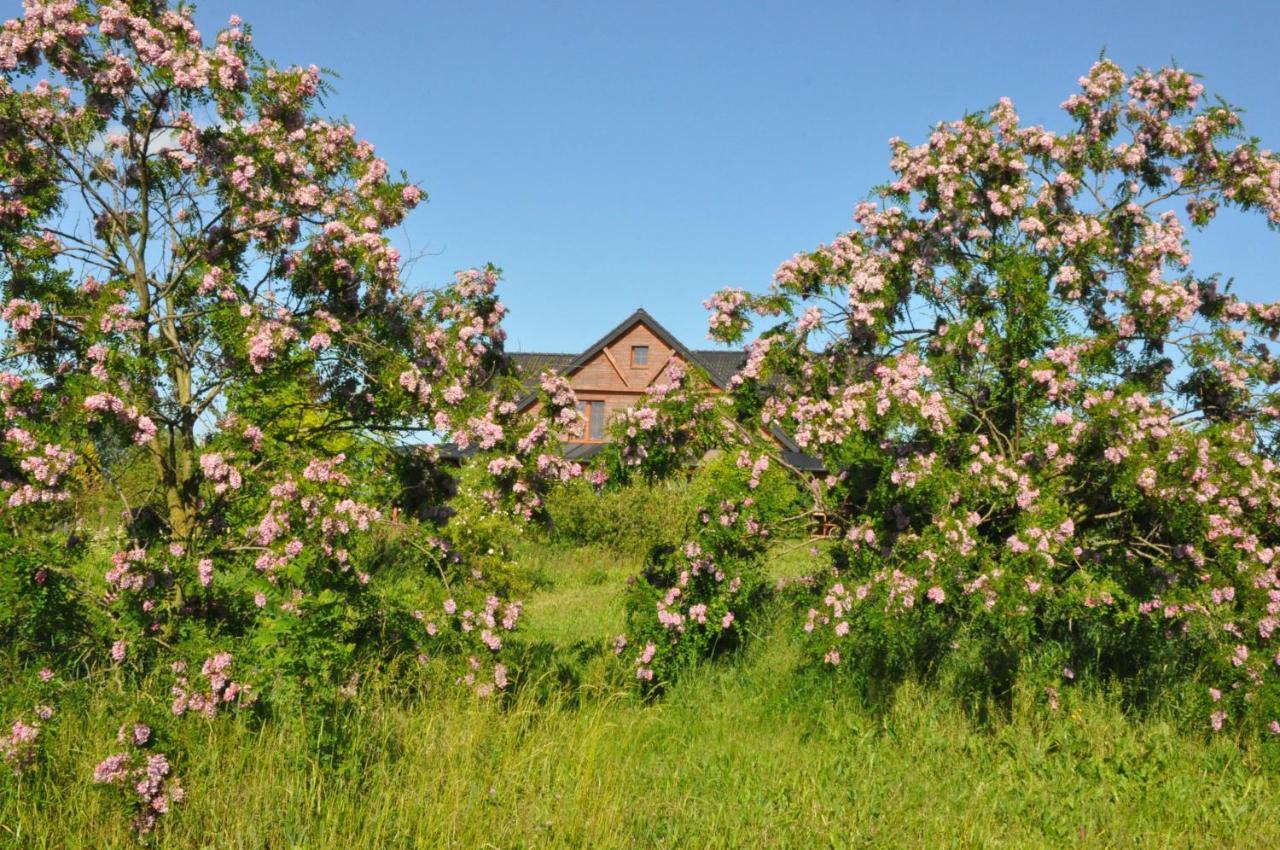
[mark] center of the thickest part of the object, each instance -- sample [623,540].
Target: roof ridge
[638,315]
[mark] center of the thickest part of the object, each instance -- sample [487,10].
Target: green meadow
[758,750]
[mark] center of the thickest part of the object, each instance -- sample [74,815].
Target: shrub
[141,777]
[480,536]
[773,497]
[694,600]
[236,396]
[630,518]
[687,605]
[40,613]
[639,515]
[209,341]
[1053,443]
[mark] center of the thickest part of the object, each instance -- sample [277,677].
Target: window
[639,356]
[593,413]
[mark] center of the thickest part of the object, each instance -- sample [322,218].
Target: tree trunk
[174,460]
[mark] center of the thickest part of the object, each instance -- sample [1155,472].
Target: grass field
[757,752]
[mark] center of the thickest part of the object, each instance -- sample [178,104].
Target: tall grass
[756,752]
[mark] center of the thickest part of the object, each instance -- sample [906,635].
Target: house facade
[616,372]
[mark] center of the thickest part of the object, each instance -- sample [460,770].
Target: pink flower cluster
[144,430]
[21,315]
[480,630]
[44,468]
[18,747]
[218,471]
[219,692]
[145,778]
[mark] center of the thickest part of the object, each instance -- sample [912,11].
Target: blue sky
[615,155]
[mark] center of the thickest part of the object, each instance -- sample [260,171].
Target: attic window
[639,355]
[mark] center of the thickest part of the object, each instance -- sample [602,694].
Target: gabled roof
[530,365]
[719,365]
[640,315]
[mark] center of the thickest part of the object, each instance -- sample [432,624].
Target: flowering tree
[197,278]
[204,317]
[1051,442]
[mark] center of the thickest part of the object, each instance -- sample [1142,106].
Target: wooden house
[612,374]
[616,371]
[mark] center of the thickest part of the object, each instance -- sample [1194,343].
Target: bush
[480,536]
[773,499]
[630,518]
[693,601]
[40,613]
[686,606]
[1055,444]
[637,516]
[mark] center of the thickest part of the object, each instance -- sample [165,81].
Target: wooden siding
[604,373]
[610,377]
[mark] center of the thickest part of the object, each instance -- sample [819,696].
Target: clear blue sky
[612,155]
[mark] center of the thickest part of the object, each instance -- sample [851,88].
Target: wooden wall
[610,377]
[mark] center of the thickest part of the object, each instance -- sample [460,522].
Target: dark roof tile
[530,365]
[722,365]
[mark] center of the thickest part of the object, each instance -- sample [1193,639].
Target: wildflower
[112,769]
[204,571]
[138,735]
[18,748]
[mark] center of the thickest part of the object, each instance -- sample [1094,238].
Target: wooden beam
[616,368]
[663,367]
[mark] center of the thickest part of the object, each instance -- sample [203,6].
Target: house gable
[606,367]
[607,374]
[613,367]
